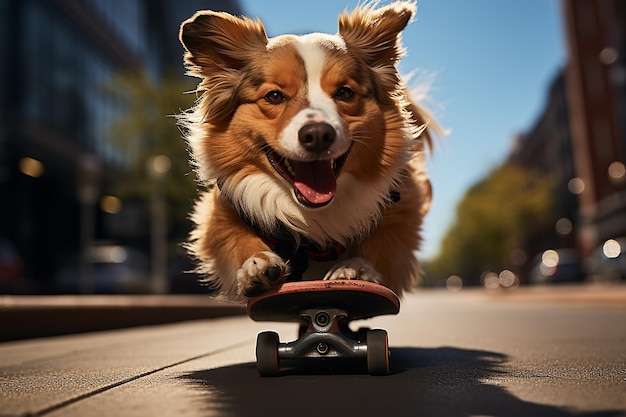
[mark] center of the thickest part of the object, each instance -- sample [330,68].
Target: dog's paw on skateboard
[354,268]
[259,273]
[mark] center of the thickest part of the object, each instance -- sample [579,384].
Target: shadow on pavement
[438,382]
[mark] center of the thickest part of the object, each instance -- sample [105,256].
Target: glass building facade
[56,59]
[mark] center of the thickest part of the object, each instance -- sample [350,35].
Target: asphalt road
[464,354]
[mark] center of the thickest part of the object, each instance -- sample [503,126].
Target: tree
[148,128]
[491,221]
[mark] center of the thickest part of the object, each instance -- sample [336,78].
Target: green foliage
[148,128]
[491,220]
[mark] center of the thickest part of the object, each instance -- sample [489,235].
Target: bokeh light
[508,279]
[110,204]
[160,164]
[564,226]
[576,185]
[611,249]
[454,283]
[491,281]
[550,258]
[617,171]
[31,167]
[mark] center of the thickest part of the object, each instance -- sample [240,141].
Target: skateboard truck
[324,309]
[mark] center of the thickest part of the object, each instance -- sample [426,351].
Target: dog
[311,152]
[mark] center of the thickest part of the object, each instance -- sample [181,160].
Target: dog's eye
[275,97]
[343,94]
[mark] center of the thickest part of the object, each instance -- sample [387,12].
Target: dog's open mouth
[314,182]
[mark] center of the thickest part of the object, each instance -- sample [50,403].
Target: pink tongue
[315,181]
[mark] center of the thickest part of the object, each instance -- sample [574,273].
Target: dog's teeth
[288,166]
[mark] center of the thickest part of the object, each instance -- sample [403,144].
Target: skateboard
[324,309]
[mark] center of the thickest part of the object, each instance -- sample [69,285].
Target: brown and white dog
[314,148]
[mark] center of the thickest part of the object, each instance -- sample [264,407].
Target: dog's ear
[375,33]
[219,41]
[374,36]
[218,46]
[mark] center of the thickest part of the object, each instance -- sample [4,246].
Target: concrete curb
[23,317]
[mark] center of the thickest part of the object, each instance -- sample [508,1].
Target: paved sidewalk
[533,352]
[52,376]
[601,294]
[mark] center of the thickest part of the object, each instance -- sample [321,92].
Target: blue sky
[490,63]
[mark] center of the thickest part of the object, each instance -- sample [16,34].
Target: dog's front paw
[354,268]
[259,273]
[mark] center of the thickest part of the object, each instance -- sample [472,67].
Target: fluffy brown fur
[246,135]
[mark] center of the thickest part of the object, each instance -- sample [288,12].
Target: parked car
[113,270]
[608,262]
[556,266]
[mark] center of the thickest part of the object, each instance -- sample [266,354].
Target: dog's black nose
[316,137]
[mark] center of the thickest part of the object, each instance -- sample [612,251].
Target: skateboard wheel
[267,363]
[377,352]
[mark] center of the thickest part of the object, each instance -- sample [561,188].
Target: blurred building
[547,148]
[579,140]
[55,154]
[596,84]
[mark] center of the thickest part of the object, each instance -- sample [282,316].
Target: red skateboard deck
[359,299]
